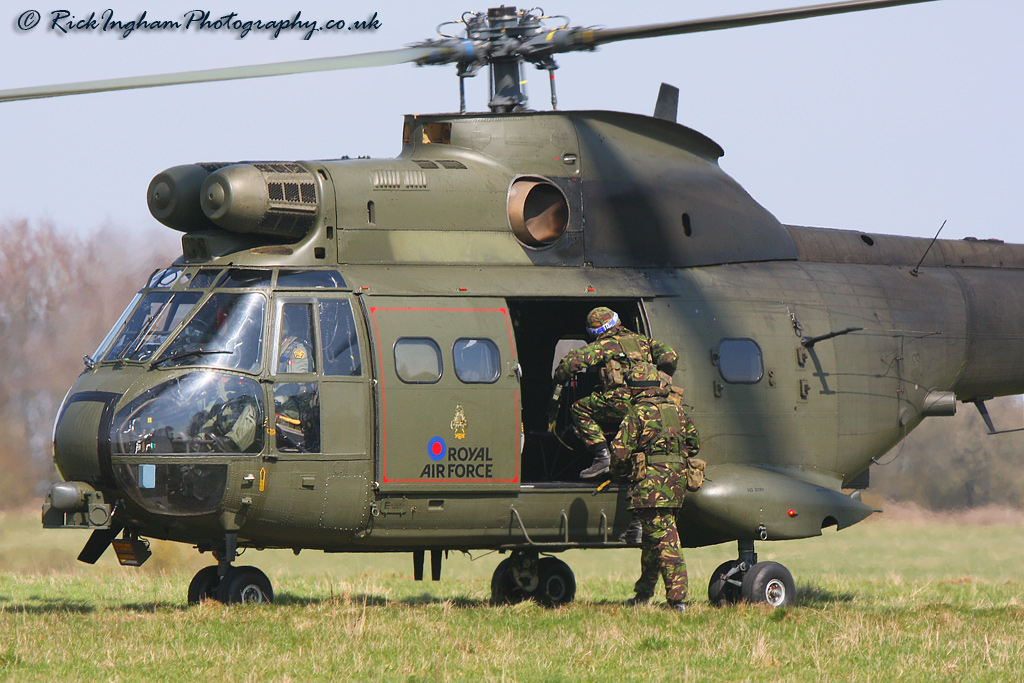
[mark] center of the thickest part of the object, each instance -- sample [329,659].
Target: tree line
[60,292]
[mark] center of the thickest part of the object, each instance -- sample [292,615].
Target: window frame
[497,367]
[440,359]
[760,360]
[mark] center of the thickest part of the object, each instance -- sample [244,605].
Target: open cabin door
[447,394]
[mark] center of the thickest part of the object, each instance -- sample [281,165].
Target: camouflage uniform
[649,452]
[613,351]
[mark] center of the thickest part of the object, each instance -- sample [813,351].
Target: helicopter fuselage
[356,355]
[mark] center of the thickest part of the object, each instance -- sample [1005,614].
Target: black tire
[721,591]
[557,584]
[245,585]
[769,583]
[203,585]
[504,589]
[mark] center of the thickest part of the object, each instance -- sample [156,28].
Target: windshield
[201,412]
[150,323]
[227,332]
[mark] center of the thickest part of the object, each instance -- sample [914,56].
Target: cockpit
[207,341]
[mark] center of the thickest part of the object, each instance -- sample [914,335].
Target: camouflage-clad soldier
[650,452]
[614,350]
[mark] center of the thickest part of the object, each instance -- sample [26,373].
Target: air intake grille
[304,193]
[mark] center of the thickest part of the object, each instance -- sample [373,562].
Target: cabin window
[295,351]
[417,360]
[477,361]
[297,418]
[339,338]
[740,361]
[310,279]
[227,332]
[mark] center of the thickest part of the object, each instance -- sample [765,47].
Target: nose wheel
[228,584]
[746,579]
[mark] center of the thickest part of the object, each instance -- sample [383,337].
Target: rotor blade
[359,61]
[592,37]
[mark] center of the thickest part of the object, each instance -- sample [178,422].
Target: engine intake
[278,199]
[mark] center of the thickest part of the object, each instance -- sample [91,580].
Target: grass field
[900,598]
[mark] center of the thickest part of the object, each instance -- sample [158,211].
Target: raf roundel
[436,448]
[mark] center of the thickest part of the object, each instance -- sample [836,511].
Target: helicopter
[354,355]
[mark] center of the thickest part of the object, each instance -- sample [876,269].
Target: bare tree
[953,463]
[59,292]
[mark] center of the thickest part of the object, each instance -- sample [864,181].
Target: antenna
[914,272]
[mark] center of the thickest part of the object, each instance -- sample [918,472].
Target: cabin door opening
[545,329]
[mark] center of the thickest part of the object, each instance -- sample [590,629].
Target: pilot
[649,454]
[229,420]
[294,355]
[614,350]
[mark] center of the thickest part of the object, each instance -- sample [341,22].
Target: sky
[888,121]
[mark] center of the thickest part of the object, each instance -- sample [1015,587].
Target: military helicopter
[355,355]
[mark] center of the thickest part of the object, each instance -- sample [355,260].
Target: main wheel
[769,583]
[726,584]
[203,586]
[245,585]
[504,589]
[557,584]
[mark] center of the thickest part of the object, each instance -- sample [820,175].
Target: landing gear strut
[755,582]
[228,584]
[525,576]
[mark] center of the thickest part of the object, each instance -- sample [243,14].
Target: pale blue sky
[886,121]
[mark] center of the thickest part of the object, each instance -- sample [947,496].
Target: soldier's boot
[633,533]
[638,600]
[676,606]
[602,461]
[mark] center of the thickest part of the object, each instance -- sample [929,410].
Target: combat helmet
[601,319]
[643,379]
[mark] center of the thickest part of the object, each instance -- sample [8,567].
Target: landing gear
[769,583]
[227,584]
[245,586]
[525,576]
[203,586]
[726,583]
[765,583]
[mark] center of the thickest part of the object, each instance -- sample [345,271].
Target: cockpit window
[150,324]
[201,412]
[203,278]
[115,329]
[340,339]
[310,279]
[164,279]
[227,332]
[245,277]
[295,351]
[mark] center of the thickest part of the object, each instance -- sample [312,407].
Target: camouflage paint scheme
[411,232]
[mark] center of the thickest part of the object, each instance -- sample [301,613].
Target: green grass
[883,601]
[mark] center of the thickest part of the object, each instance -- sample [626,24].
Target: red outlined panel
[431,441]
